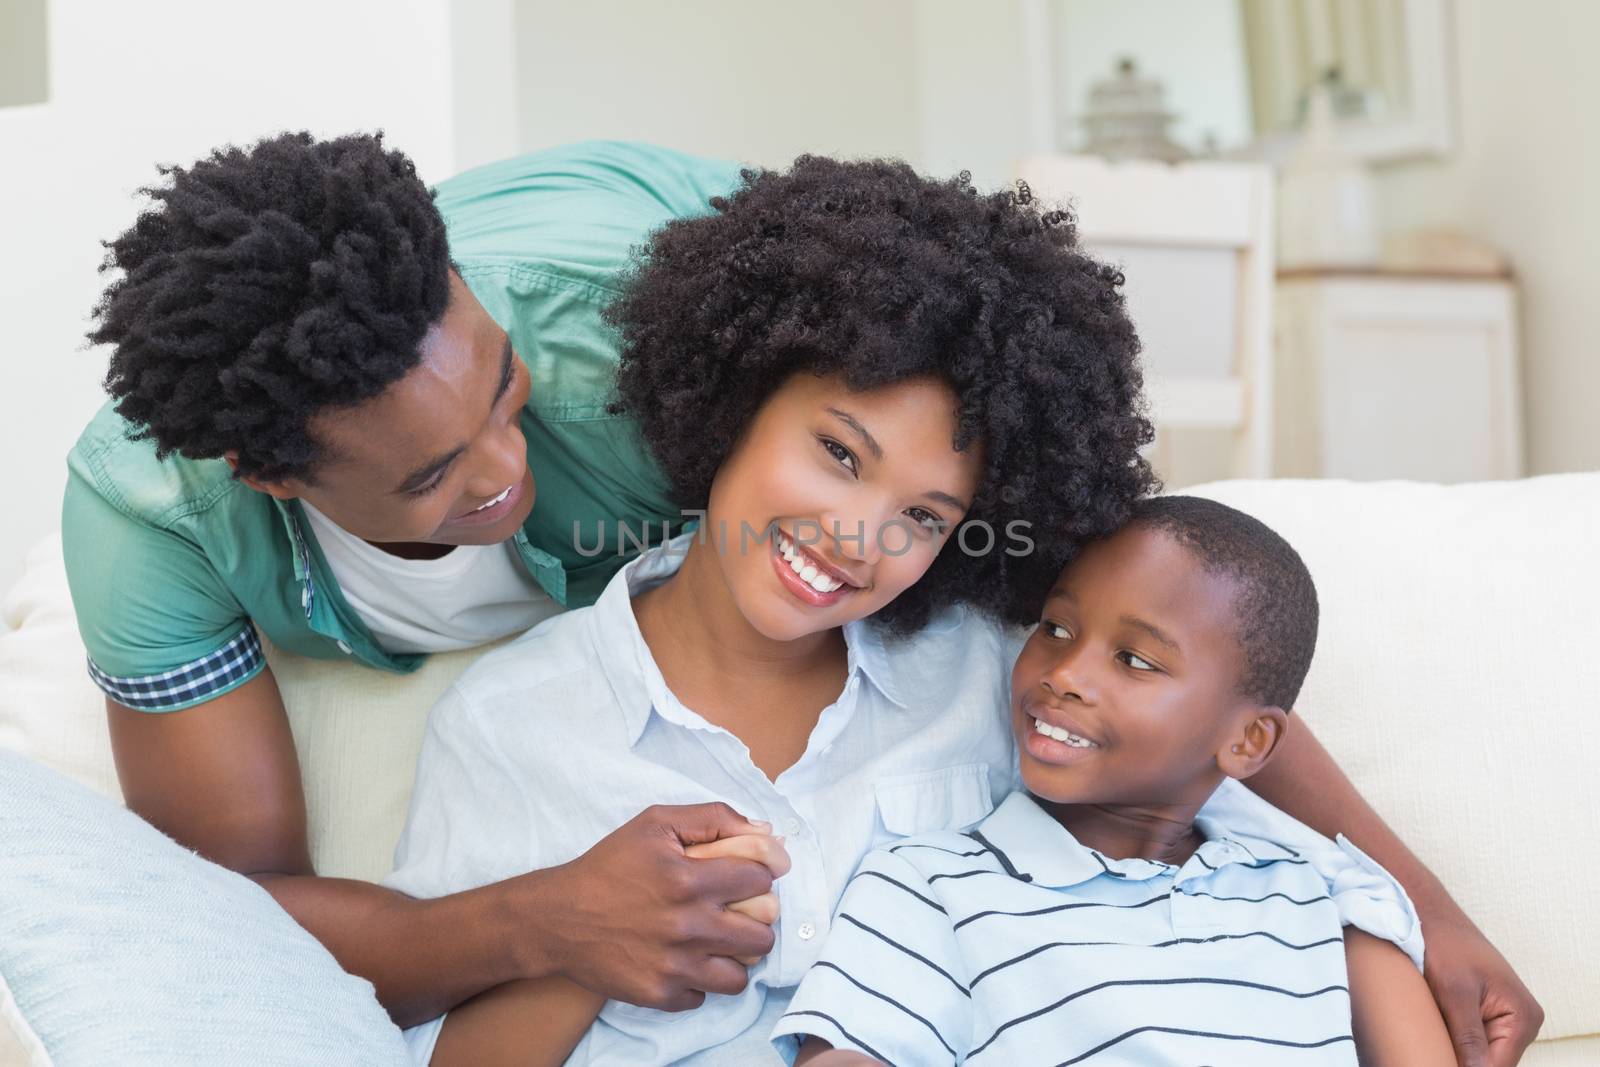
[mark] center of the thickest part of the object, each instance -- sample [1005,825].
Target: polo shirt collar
[1032,846]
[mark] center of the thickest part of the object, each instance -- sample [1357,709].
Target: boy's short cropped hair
[867,270]
[1275,600]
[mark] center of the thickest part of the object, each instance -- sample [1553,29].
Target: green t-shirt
[174,564]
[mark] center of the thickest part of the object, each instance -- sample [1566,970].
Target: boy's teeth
[1061,735]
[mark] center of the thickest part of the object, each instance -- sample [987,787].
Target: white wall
[458,82]
[166,80]
[455,83]
[1523,175]
[754,80]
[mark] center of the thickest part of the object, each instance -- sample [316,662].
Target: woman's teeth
[821,581]
[1061,735]
[503,494]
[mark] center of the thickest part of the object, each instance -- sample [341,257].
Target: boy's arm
[1491,1016]
[530,1023]
[540,1021]
[818,1053]
[1397,1023]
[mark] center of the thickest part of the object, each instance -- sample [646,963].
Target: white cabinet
[1195,241]
[1396,376]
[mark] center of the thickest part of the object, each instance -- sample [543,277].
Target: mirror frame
[1427,129]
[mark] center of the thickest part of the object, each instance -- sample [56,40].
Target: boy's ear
[1247,748]
[276,490]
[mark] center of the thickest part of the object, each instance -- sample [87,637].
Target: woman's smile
[809,578]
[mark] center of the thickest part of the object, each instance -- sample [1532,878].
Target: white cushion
[49,710]
[357,731]
[1457,681]
[119,946]
[20,1046]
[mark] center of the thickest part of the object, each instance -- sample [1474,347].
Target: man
[372,426]
[337,388]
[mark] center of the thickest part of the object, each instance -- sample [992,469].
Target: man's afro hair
[869,271]
[264,285]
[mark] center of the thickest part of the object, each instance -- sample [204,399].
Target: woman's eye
[840,453]
[1136,661]
[924,518]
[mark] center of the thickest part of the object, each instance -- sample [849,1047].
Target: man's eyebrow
[507,363]
[1151,629]
[424,474]
[861,431]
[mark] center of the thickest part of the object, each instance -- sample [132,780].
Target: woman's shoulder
[553,656]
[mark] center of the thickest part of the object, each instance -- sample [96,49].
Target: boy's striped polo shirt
[1012,944]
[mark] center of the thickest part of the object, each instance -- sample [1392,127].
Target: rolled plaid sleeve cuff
[200,680]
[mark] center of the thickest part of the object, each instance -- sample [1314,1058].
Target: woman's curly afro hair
[267,284]
[869,271]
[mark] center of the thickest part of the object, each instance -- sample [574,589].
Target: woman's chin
[779,619]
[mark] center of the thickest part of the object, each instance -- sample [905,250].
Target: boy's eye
[1136,661]
[840,453]
[1055,630]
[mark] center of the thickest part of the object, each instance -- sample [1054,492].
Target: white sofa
[1457,680]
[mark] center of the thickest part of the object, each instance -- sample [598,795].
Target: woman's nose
[850,538]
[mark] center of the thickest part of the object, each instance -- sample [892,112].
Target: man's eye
[840,453]
[1136,661]
[424,490]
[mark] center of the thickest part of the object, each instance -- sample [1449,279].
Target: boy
[1101,919]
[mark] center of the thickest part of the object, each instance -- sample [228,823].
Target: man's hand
[763,849]
[1491,1016]
[638,920]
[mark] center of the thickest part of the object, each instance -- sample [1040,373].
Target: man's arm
[1396,1021]
[633,918]
[1492,1018]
